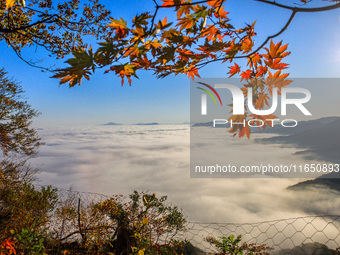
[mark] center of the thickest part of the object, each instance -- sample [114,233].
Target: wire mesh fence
[312,235]
[303,235]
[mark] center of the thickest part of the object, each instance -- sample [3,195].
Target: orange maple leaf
[220,12]
[262,100]
[211,32]
[247,45]
[276,50]
[234,70]
[186,22]
[244,131]
[267,120]
[183,9]
[193,72]
[246,75]
[168,2]
[215,3]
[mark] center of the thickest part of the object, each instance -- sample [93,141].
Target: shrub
[231,245]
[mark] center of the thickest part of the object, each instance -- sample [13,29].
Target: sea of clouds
[119,159]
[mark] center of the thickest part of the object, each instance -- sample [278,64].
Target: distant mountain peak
[112,124]
[146,124]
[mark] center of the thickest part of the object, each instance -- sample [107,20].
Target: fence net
[312,235]
[304,235]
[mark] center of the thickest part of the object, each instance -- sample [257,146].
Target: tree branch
[183,4]
[275,35]
[18,54]
[11,30]
[300,9]
[294,10]
[258,48]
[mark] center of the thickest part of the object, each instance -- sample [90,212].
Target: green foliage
[142,225]
[141,222]
[232,245]
[229,244]
[31,242]
[23,206]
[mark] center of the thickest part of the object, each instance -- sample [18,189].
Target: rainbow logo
[209,93]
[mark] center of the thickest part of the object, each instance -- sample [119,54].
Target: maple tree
[56,27]
[201,34]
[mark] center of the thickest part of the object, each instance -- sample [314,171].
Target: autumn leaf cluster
[57,28]
[200,34]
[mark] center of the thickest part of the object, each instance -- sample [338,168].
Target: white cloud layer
[120,159]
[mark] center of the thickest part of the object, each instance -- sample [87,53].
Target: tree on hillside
[16,133]
[200,34]
[56,27]
[22,205]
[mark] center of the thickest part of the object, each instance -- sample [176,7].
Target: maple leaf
[192,72]
[117,23]
[139,32]
[80,66]
[262,100]
[156,44]
[186,22]
[247,45]
[209,32]
[261,70]
[220,12]
[236,119]
[267,120]
[246,75]
[277,80]
[141,19]
[185,54]
[245,91]
[244,131]
[124,71]
[215,3]
[234,70]
[275,64]
[214,47]
[10,3]
[255,59]
[163,24]
[120,26]
[132,52]
[276,50]
[168,2]
[184,9]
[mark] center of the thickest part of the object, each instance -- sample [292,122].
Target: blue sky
[313,39]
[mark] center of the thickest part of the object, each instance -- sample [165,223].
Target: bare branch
[300,9]
[19,55]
